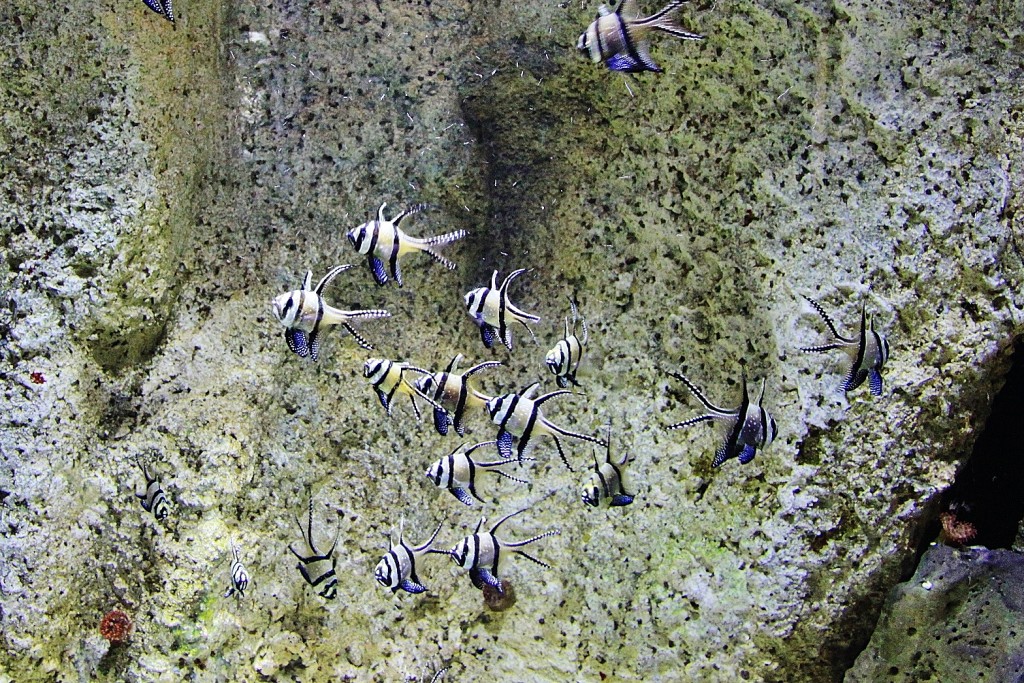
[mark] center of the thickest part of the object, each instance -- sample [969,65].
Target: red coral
[37,378]
[116,626]
[956,531]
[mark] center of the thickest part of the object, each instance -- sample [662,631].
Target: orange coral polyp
[116,626]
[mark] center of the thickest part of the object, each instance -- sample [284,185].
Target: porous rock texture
[957,619]
[161,184]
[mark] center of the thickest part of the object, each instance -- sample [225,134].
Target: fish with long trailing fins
[388,379]
[397,569]
[749,425]
[305,314]
[481,552]
[606,481]
[869,351]
[317,568]
[619,37]
[520,415]
[564,359]
[381,240]
[452,394]
[239,576]
[153,499]
[457,472]
[491,309]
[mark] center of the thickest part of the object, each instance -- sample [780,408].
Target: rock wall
[161,184]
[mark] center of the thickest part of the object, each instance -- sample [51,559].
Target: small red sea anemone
[956,531]
[116,626]
[37,378]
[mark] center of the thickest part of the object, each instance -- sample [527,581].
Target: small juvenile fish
[388,379]
[317,568]
[619,38]
[382,239]
[606,481]
[491,310]
[304,314]
[452,394]
[161,7]
[520,415]
[564,359]
[750,426]
[239,577]
[869,350]
[480,552]
[457,472]
[397,569]
[153,499]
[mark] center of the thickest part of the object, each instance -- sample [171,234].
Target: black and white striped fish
[564,359]
[869,351]
[619,38]
[239,577]
[457,472]
[305,315]
[452,394]
[161,7]
[481,553]
[491,310]
[606,481]
[317,568]
[397,569]
[388,378]
[520,415]
[153,499]
[750,426]
[382,239]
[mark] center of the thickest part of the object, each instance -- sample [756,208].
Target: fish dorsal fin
[628,10]
[307,282]
[494,279]
[380,213]
[480,525]
[505,518]
[424,548]
[530,391]
[603,11]
[764,383]
[454,363]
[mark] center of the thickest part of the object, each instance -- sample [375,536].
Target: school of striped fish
[619,39]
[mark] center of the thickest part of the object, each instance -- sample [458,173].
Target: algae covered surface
[161,184]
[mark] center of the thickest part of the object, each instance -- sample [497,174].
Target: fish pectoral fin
[410,586]
[463,497]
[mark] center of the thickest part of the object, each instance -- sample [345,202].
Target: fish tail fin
[663,21]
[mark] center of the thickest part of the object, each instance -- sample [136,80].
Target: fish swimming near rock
[870,351]
[520,415]
[457,472]
[491,310]
[749,426]
[388,378]
[606,481]
[481,552]
[397,569]
[305,315]
[381,240]
[619,38]
[452,394]
[318,569]
[564,358]
[239,577]
[161,7]
[152,499]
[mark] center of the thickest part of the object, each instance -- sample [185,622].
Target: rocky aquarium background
[161,184]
